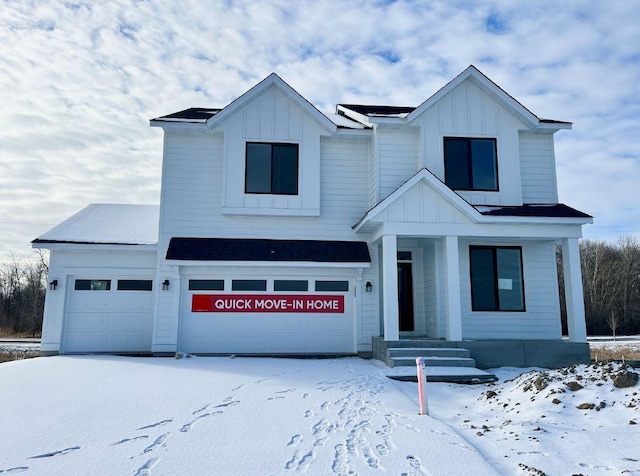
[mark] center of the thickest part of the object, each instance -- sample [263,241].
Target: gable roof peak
[479,79]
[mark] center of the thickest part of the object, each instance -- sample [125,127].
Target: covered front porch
[430,287]
[451,271]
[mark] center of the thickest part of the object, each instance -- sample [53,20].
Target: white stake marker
[422,385]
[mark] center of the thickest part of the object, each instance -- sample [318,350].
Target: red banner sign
[300,303]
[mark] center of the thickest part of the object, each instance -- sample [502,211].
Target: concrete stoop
[443,364]
[485,354]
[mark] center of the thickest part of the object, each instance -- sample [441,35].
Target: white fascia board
[265,264]
[515,220]
[179,126]
[90,247]
[273,80]
[356,116]
[438,230]
[552,127]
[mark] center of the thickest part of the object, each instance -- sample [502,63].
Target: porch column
[452,289]
[390,287]
[573,290]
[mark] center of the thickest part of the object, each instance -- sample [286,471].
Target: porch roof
[424,198]
[245,249]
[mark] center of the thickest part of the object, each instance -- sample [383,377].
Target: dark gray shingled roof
[373,110]
[193,114]
[555,210]
[243,249]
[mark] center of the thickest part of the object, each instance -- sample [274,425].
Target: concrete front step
[428,352]
[443,374]
[407,361]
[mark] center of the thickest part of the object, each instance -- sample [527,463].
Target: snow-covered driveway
[219,416]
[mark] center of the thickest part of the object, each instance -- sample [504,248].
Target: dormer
[474,137]
[271,150]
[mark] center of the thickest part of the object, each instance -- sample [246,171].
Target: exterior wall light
[53,285]
[165,285]
[368,287]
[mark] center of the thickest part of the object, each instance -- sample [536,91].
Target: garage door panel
[218,330]
[335,343]
[134,322]
[108,320]
[293,343]
[87,321]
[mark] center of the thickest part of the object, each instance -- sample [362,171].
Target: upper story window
[271,168]
[496,278]
[470,164]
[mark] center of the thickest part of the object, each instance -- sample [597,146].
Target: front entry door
[405,297]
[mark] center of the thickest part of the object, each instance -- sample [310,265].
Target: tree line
[611,285]
[23,284]
[610,280]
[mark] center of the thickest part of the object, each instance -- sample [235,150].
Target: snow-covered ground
[105,415]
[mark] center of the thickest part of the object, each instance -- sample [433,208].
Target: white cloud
[79,81]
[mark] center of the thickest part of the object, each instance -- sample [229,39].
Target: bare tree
[613,321]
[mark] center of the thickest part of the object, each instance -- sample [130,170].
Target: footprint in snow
[145,469]
[158,442]
[187,426]
[287,390]
[295,439]
[154,425]
[228,404]
[129,440]
[17,469]
[56,453]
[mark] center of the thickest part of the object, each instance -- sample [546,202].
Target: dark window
[404,255]
[249,285]
[496,278]
[290,285]
[332,285]
[92,285]
[271,168]
[206,285]
[470,164]
[135,285]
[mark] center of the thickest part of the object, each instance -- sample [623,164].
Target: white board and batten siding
[271,117]
[466,111]
[538,167]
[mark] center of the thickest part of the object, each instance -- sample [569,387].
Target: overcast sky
[80,80]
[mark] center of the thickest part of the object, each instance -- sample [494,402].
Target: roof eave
[91,246]
[353,115]
[169,125]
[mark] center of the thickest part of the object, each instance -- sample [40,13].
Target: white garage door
[267,316]
[109,315]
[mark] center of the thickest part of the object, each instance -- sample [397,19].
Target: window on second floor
[470,164]
[271,168]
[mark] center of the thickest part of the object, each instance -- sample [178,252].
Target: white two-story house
[284,230]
